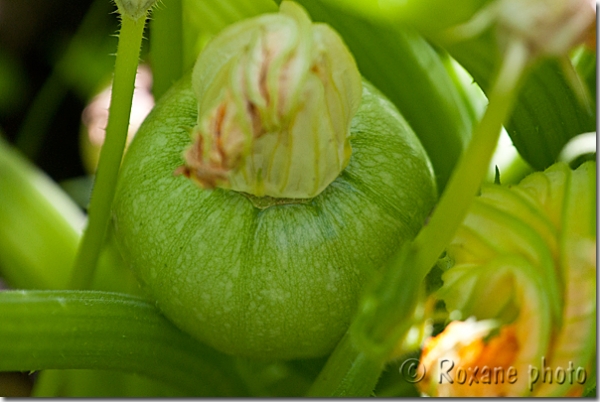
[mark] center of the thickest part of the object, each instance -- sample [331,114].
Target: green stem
[466,179]
[388,307]
[166,46]
[126,64]
[348,372]
[107,331]
[49,383]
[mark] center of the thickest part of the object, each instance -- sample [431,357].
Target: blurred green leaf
[13,84]
[40,232]
[84,65]
[428,16]
[40,225]
[584,61]
[547,113]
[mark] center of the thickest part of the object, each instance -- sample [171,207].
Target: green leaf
[109,331]
[40,225]
[547,113]
[429,16]
[40,230]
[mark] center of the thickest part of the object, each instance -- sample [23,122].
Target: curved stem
[388,306]
[128,51]
[466,179]
[109,331]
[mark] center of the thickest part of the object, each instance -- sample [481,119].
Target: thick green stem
[108,331]
[126,64]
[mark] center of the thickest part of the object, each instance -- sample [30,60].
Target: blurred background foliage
[57,55]
[54,56]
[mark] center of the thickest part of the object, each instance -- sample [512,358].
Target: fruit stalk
[128,51]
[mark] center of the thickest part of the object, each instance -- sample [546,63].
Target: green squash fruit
[263,277]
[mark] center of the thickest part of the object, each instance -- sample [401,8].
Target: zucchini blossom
[276,95]
[525,261]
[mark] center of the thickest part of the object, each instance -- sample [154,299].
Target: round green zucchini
[262,277]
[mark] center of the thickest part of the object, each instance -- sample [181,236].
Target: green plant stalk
[472,167]
[109,331]
[166,46]
[49,383]
[538,128]
[388,308]
[128,51]
[348,372]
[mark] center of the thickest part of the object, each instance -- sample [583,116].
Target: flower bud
[276,95]
[134,9]
[547,27]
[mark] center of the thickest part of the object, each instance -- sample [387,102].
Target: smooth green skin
[275,283]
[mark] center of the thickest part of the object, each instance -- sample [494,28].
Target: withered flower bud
[276,95]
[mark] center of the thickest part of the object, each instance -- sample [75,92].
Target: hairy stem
[126,64]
